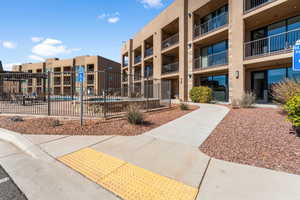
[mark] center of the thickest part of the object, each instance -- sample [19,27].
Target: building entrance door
[259,85]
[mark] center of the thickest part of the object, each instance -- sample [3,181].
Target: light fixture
[190,76]
[190,45]
[237,74]
[190,15]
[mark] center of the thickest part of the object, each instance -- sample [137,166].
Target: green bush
[134,115]
[293,109]
[201,94]
[184,106]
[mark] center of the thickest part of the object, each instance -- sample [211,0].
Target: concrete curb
[24,144]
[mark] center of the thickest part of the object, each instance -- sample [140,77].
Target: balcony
[125,78]
[170,68]
[125,64]
[137,76]
[148,73]
[253,4]
[148,52]
[210,61]
[174,39]
[275,44]
[211,25]
[137,59]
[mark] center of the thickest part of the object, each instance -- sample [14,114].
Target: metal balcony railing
[148,52]
[90,81]
[29,83]
[125,63]
[148,72]
[57,82]
[213,60]
[252,4]
[137,59]
[174,39]
[137,76]
[67,82]
[125,78]
[211,25]
[170,68]
[279,43]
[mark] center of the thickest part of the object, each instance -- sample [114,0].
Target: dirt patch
[93,127]
[258,137]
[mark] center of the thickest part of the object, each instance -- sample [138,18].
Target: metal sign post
[80,78]
[296,57]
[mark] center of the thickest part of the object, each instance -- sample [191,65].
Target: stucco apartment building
[63,75]
[232,46]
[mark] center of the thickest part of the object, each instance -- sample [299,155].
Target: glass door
[259,84]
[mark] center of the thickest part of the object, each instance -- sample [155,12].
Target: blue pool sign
[296,57]
[80,74]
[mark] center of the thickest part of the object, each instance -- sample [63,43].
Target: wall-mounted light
[237,74]
[190,76]
[190,45]
[190,15]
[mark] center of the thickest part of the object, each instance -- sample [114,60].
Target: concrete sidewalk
[172,151]
[47,179]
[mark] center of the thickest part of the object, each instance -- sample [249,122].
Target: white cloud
[152,3]
[8,66]
[110,17]
[36,39]
[51,47]
[113,20]
[37,58]
[9,44]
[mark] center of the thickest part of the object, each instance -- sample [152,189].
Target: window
[215,54]
[293,74]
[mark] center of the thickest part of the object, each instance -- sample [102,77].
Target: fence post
[104,94]
[81,103]
[169,91]
[49,93]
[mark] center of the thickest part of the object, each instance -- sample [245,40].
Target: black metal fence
[58,93]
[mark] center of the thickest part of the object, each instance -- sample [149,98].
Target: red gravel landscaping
[92,127]
[258,137]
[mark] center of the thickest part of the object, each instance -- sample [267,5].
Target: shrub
[184,106]
[283,91]
[17,119]
[134,115]
[201,94]
[55,123]
[248,99]
[293,109]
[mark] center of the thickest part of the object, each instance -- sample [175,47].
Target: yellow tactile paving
[127,181]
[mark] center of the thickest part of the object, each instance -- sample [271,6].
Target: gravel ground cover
[92,127]
[259,137]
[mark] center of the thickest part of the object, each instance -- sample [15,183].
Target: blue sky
[33,30]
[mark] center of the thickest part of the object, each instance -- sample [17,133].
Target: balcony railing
[148,72]
[170,68]
[252,4]
[125,63]
[174,39]
[274,44]
[211,25]
[90,81]
[137,59]
[213,60]
[67,82]
[137,76]
[148,52]
[125,78]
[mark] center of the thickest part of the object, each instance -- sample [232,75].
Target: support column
[236,50]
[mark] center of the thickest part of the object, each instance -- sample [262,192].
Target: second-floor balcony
[137,59]
[275,44]
[174,39]
[213,60]
[148,52]
[170,68]
[211,25]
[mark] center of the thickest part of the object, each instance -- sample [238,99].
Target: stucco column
[236,50]
[190,52]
